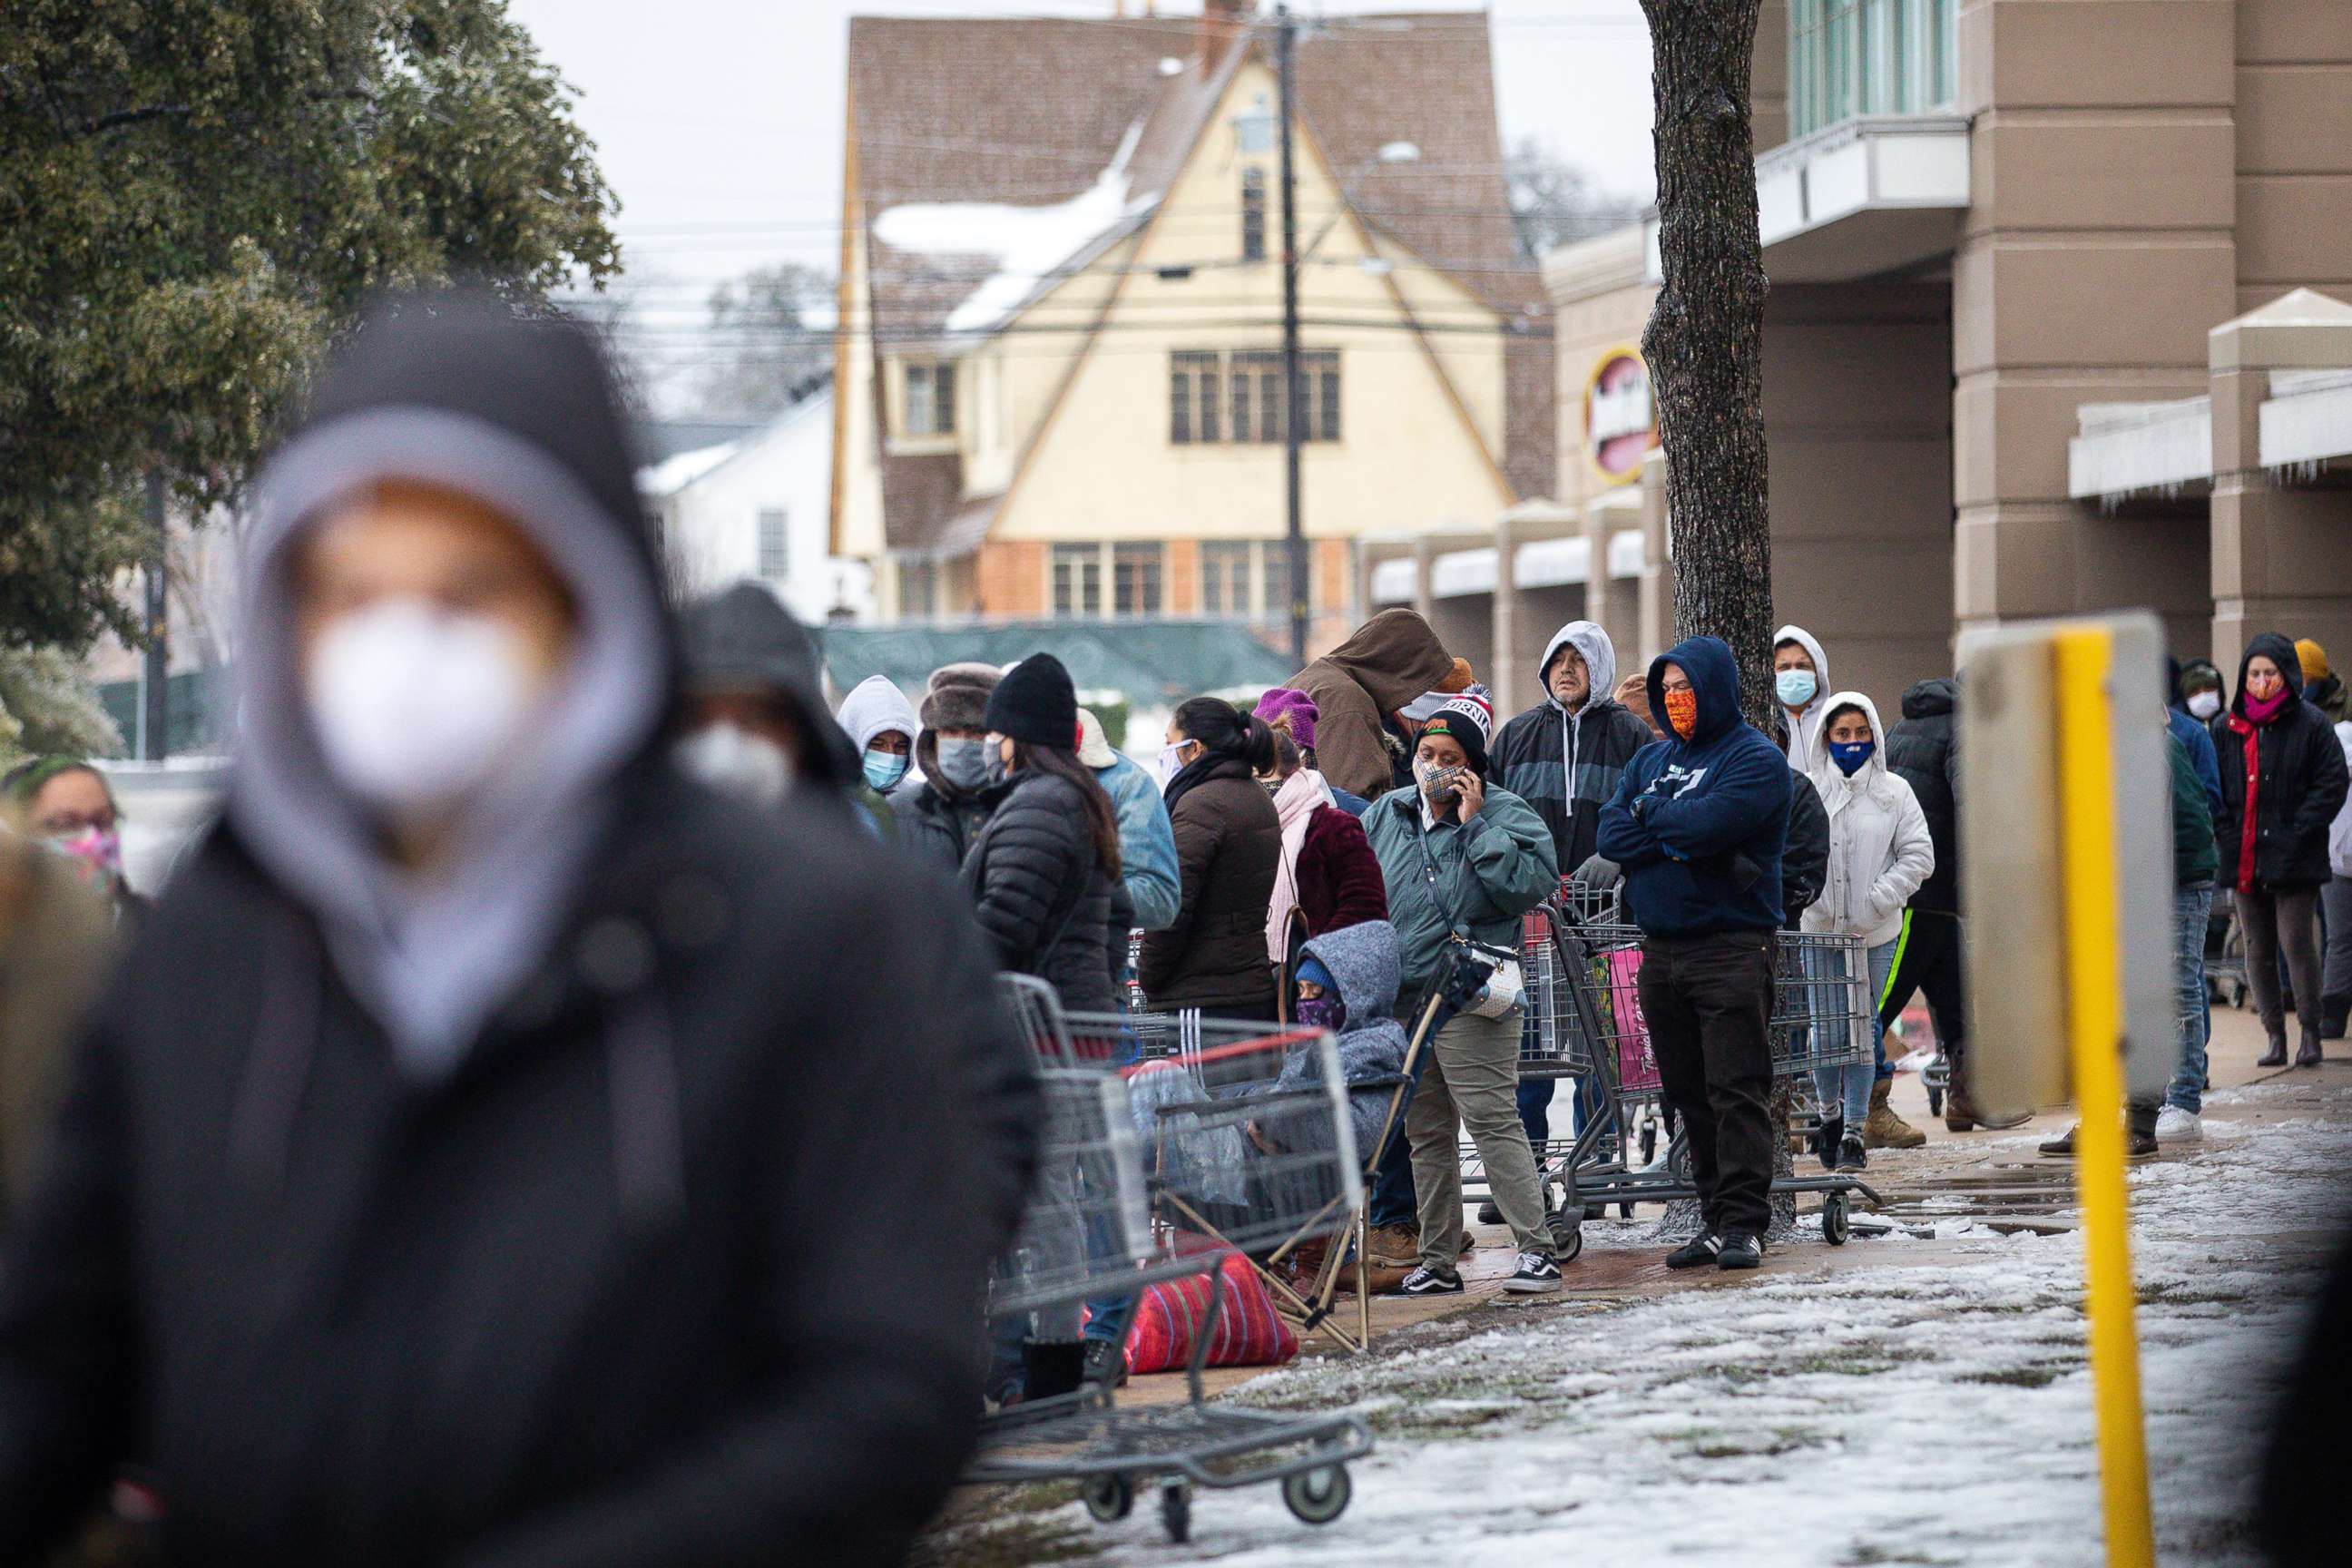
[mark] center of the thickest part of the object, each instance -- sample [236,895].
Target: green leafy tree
[195,198]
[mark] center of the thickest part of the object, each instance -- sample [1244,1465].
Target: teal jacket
[1488,874]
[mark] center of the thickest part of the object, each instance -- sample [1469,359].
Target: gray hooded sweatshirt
[1804,747]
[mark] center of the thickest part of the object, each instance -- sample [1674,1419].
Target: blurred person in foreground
[436,1178]
[1699,825]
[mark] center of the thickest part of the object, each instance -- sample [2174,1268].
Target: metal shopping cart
[1171,1145]
[1585,1020]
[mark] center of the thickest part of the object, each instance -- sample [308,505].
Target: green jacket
[1487,875]
[2195,860]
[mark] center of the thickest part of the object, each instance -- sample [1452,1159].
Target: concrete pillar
[1654,593]
[1509,679]
[1425,551]
[2281,560]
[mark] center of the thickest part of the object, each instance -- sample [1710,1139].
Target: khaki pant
[1472,1081]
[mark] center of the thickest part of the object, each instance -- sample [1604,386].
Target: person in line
[1328,877]
[2281,785]
[944,812]
[1460,855]
[68,804]
[2322,687]
[2336,976]
[57,939]
[881,726]
[1800,684]
[1293,713]
[1147,841]
[2149,1120]
[1805,850]
[1880,854]
[1563,757]
[753,719]
[2324,691]
[1384,665]
[1228,847]
[2202,693]
[1699,825]
[1923,749]
[1043,876]
[1633,695]
[2190,730]
[489,1070]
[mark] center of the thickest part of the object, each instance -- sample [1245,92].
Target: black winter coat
[1805,856]
[1923,749]
[1045,900]
[2295,776]
[938,829]
[561,1307]
[1529,758]
[1228,847]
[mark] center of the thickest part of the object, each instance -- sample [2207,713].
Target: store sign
[1620,422]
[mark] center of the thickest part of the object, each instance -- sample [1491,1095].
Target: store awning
[1856,199]
[2126,449]
[2306,421]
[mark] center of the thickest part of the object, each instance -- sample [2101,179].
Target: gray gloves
[1597,872]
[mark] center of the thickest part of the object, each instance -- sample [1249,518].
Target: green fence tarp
[1153,662]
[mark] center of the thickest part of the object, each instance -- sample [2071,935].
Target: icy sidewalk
[1936,1413]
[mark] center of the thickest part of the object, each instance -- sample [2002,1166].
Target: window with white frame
[1253,398]
[1134,579]
[930,389]
[1077,585]
[1228,576]
[775,543]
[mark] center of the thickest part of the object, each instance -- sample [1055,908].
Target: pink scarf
[2262,713]
[1295,802]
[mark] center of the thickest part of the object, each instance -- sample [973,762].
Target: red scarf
[2251,736]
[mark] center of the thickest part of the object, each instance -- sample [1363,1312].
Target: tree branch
[122,117]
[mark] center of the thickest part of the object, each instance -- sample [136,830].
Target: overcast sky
[719,121]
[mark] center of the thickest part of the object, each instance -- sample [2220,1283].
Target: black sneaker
[1851,1155]
[1538,1274]
[1827,1140]
[1740,1250]
[1105,1364]
[1488,1213]
[2139,1146]
[1697,1252]
[1430,1282]
[2060,1147]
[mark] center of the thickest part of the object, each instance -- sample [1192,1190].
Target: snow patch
[673,474]
[1027,243]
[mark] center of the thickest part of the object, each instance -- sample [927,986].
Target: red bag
[1248,1330]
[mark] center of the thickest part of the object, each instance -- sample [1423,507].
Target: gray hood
[874,705]
[1369,966]
[1805,725]
[520,417]
[1593,646]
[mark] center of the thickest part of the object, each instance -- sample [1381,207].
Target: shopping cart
[2225,952]
[1587,1022]
[1171,1145]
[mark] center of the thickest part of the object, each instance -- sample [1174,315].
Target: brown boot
[1884,1129]
[1396,1246]
[1960,1112]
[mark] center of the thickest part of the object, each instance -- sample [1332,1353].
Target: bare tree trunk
[1705,342]
[1705,345]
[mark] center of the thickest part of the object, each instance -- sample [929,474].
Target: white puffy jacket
[2339,832]
[1880,851]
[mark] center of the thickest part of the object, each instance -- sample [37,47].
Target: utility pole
[1294,397]
[155,661]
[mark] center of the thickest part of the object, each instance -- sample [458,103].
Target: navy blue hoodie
[1697,825]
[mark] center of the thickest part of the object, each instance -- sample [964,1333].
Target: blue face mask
[1850,756]
[1795,687]
[882,769]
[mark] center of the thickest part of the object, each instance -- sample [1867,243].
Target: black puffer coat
[1045,900]
[1923,750]
[1805,858]
[2292,770]
[1228,845]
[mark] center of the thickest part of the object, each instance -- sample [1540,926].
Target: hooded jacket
[1924,749]
[1481,875]
[874,707]
[1147,843]
[542,1295]
[1805,724]
[2194,857]
[1228,845]
[744,639]
[1566,768]
[1365,963]
[1880,847]
[1047,903]
[2281,785]
[1386,663]
[1805,856]
[1698,825]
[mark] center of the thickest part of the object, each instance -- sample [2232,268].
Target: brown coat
[55,941]
[1228,843]
[1384,664]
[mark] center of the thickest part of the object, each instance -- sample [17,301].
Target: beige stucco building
[1060,366]
[2058,323]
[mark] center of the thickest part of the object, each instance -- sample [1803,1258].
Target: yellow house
[1059,356]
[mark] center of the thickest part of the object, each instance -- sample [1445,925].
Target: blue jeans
[1847,1088]
[2190,908]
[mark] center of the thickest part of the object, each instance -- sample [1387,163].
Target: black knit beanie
[1036,702]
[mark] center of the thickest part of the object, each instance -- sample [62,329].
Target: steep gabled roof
[1036,112]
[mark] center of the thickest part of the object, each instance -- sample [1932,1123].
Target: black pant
[1931,961]
[1707,1001]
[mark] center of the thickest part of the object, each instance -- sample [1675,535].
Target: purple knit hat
[1298,709]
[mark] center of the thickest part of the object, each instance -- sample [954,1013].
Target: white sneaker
[2174,1125]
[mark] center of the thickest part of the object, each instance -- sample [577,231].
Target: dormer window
[930,398]
[1254,129]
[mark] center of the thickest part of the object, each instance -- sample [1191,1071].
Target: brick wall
[1013,578]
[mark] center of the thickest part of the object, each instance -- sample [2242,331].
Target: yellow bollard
[2094,989]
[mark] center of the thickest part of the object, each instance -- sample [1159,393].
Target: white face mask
[2205,704]
[415,706]
[733,761]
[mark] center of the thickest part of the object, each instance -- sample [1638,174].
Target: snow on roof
[1027,242]
[672,475]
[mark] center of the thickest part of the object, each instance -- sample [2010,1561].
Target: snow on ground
[1934,1413]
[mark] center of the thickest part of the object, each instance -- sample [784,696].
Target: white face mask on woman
[413,705]
[2204,704]
[733,761]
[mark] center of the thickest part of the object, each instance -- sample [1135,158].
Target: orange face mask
[1681,713]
